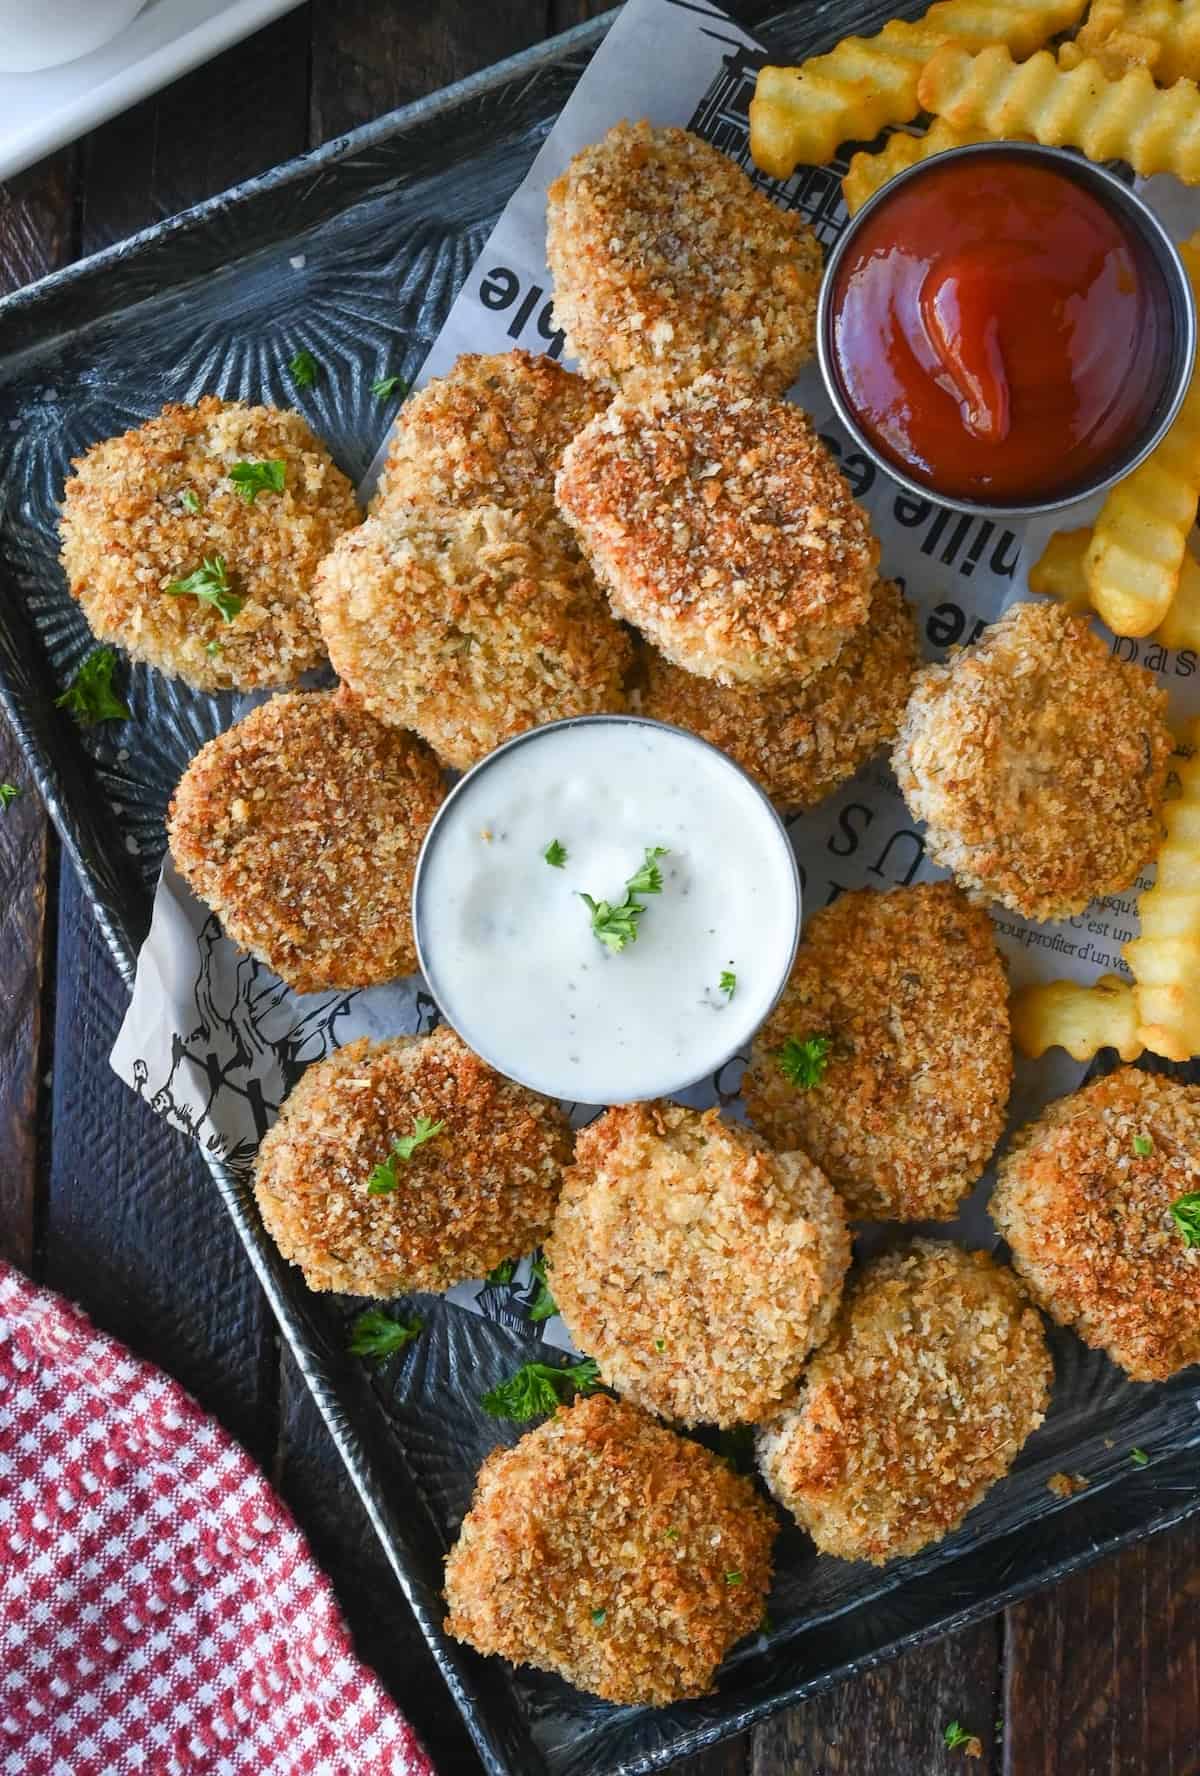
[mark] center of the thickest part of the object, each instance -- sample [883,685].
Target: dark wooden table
[97,1196]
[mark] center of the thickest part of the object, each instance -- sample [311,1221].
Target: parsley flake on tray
[304,369]
[383,386]
[90,697]
[376,1334]
[8,793]
[536,1389]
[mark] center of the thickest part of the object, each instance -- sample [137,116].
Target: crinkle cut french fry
[1156,130]
[867,173]
[1083,1020]
[1139,540]
[1165,958]
[1117,53]
[1173,26]
[802,115]
[1060,573]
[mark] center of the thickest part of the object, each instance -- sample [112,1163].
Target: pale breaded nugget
[491,431]
[668,262]
[721,527]
[608,1549]
[936,1373]
[905,997]
[469,626]
[300,828]
[1038,762]
[146,510]
[475,1193]
[697,1267]
[1084,1199]
[801,742]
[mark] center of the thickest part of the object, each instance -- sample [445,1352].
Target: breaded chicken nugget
[1038,761]
[300,828]
[802,742]
[697,1267]
[469,626]
[902,1000]
[935,1375]
[492,431]
[721,527]
[608,1549]
[668,262]
[1084,1197]
[246,492]
[357,1216]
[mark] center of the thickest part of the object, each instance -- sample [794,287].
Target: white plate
[39,112]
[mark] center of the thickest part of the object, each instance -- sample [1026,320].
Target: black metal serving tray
[357,251]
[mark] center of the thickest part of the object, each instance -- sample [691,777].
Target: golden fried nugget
[1131,119]
[868,173]
[300,828]
[143,511]
[612,1551]
[935,1375]
[668,262]
[1084,1198]
[1081,1019]
[848,95]
[1165,958]
[719,525]
[908,995]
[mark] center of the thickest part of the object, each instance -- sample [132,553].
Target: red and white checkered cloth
[159,1610]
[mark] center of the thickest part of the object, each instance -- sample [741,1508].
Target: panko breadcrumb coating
[1038,761]
[936,1373]
[469,626]
[908,988]
[146,509]
[697,1267]
[1084,1199]
[613,1552]
[800,743]
[478,1192]
[492,431]
[668,262]
[300,828]
[721,527]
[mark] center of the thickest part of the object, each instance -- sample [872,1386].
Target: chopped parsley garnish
[672,1535]
[376,1334]
[804,1063]
[214,648]
[1138,1457]
[210,585]
[956,1735]
[660,1344]
[727,983]
[253,478]
[733,1578]
[616,926]
[90,697]
[8,793]
[1143,1146]
[383,386]
[537,1388]
[555,854]
[543,1306]
[503,1272]
[598,1617]
[304,369]
[191,499]
[1185,1212]
[383,1179]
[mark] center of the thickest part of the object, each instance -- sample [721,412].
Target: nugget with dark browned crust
[936,1373]
[697,1267]
[469,626]
[902,999]
[1085,1196]
[300,828]
[800,743]
[668,262]
[360,1217]
[1037,760]
[249,491]
[613,1552]
[721,527]
[491,431]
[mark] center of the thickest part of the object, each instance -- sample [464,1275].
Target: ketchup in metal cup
[998,332]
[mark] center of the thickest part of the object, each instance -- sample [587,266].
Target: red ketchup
[998,333]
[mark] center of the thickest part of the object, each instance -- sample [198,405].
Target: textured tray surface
[356,253]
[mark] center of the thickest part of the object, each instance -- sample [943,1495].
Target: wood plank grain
[890,1722]
[1104,1671]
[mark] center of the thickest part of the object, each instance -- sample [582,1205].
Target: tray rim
[459,1669]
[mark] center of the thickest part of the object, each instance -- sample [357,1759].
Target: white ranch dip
[507,941]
